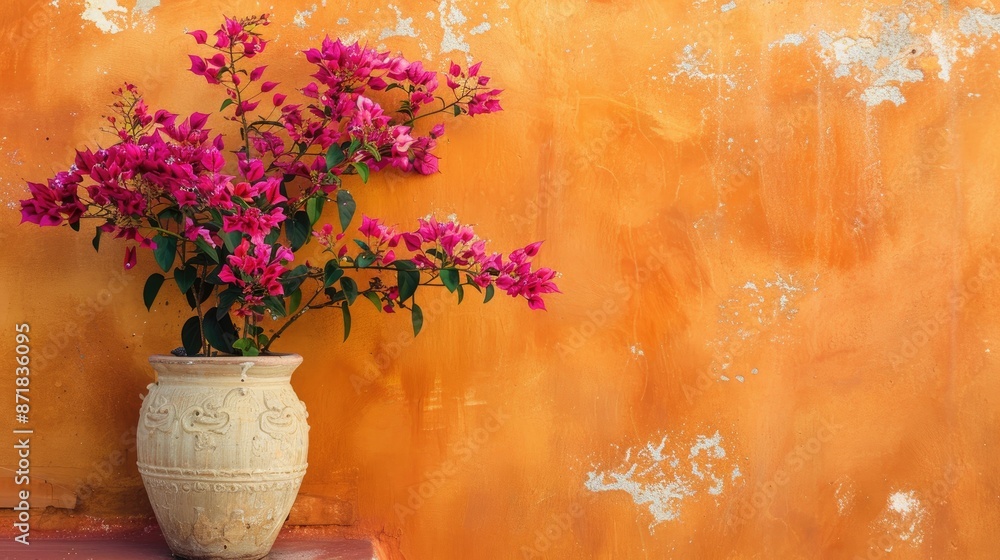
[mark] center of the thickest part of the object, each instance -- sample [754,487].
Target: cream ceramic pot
[222,446]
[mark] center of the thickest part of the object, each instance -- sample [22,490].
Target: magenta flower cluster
[224,213]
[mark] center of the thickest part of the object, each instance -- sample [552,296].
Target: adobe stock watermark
[463,451]
[621,292]
[927,329]
[786,128]
[795,461]
[910,509]
[39,16]
[554,182]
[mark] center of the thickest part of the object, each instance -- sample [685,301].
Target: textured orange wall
[776,225]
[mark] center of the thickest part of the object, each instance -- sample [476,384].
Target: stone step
[152,547]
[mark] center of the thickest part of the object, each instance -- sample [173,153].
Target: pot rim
[268,360]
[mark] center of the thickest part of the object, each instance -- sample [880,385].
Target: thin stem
[291,320]
[239,101]
[201,316]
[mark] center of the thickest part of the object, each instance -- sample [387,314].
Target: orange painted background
[776,224]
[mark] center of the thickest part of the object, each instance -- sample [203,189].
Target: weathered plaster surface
[765,213]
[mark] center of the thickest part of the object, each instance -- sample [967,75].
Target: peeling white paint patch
[977,22]
[726,7]
[637,351]
[844,494]
[302,16]
[111,17]
[882,63]
[404,26]
[793,39]
[480,29]
[102,13]
[946,51]
[876,95]
[904,517]
[660,478]
[693,66]
[451,17]
[343,21]
[144,6]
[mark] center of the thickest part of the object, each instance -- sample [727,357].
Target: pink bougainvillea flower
[169,175]
[194,232]
[253,222]
[199,36]
[130,258]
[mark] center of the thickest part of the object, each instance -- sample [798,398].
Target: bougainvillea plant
[224,214]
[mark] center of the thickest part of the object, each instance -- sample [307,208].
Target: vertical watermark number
[22,434]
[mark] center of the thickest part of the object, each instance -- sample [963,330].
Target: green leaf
[213,277]
[226,300]
[166,250]
[334,294]
[207,249]
[347,319]
[373,150]
[470,280]
[273,236]
[97,239]
[294,278]
[153,284]
[461,294]
[334,156]
[297,229]
[220,331]
[352,146]
[362,169]
[350,288]
[246,347]
[226,103]
[331,273]
[75,226]
[168,214]
[276,305]
[376,301]
[364,260]
[199,259]
[294,300]
[489,293]
[346,206]
[407,278]
[199,290]
[450,278]
[458,110]
[314,209]
[417,316]
[191,336]
[185,277]
[364,246]
[231,239]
